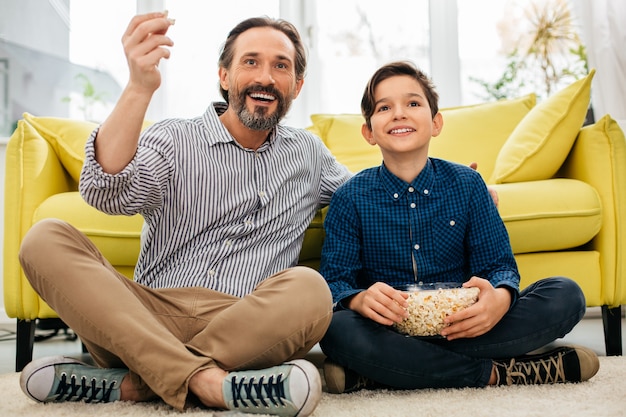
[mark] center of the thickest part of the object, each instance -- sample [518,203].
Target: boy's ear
[367,134]
[437,124]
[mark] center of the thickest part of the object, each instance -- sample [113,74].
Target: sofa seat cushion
[549,215]
[117,237]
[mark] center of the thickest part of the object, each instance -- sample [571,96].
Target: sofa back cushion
[476,133]
[470,134]
[538,146]
[342,135]
[67,137]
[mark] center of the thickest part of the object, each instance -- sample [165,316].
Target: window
[480,45]
[200,29]
[346,42]
[189,78]
[5,124]
[97,43]
[455,42]
[352,38]
[501,46]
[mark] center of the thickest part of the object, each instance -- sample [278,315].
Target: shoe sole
[39,364]
[315,386]
[589,362]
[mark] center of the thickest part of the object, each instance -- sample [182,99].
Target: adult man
[217,311]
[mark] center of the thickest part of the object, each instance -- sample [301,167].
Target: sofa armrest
[597,158]
[33,173]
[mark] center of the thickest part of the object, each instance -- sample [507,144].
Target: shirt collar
[397,188]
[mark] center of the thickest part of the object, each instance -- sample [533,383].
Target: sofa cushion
[117,237]
[311,251]
[476,133]
[549,215]
[470,134]
[67,138]
[537,147]
[342,135]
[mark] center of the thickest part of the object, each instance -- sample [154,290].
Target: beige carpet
[602,396]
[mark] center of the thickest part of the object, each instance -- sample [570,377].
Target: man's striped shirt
[216,215]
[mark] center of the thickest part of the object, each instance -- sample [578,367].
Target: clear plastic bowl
[431,303]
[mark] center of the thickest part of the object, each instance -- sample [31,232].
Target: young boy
[419,219]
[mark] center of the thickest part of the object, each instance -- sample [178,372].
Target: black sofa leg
[24,341]
[612,321]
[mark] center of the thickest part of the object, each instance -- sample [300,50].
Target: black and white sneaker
[562,364]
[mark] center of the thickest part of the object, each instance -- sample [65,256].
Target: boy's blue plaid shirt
[442,227]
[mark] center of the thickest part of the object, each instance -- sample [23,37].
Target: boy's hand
[478,319]
[381,303]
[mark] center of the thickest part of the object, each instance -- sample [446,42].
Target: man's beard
[259,119]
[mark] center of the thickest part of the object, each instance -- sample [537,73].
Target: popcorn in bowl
[429,304]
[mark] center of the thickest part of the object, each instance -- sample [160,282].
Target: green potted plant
[89,98]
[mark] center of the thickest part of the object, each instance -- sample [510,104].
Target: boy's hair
[227,52]
[393,69]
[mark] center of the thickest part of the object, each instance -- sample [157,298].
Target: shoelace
[519,372]
[361,382]
[257,392]
[71,391]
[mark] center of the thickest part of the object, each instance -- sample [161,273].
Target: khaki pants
[164,336]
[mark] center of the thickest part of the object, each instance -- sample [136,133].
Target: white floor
[588,332]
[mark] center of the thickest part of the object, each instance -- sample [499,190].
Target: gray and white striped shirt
[216,214]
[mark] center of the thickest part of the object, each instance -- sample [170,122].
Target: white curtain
[604,35]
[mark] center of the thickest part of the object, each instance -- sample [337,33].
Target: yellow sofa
[559,187]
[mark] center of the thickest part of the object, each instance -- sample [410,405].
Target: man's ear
[437,124]
[223,74]
[299,85]
[367,134]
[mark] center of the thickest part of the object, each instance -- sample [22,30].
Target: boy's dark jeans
[544,312]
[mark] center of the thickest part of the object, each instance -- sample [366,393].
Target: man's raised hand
[145,44]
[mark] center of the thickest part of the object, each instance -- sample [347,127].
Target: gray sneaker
[288,390]
[562,364]
[61,378]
